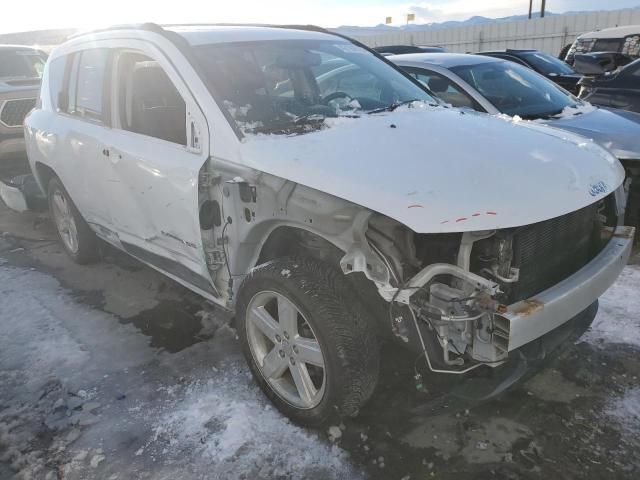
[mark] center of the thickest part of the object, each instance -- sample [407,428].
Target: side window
[70,97]
[445,89]
[148,103]
[56,82]
[86,85]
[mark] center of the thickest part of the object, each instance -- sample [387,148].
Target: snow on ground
[224,420]
[618,322]
[625,410]
[85,396]
[618,319]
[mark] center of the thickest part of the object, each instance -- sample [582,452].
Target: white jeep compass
[302,181]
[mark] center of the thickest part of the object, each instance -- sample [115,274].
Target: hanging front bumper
[532,318]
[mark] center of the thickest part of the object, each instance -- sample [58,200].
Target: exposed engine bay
[445,296]
[455,301]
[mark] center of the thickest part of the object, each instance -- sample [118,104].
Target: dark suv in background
[20,73]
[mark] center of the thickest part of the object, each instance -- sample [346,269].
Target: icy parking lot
[113,372]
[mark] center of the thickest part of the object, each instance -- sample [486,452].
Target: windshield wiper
[543,116]
[299,124]
[392,107]
[308,118]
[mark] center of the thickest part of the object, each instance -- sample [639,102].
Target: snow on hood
[443,170]
[615,130]
[577,109]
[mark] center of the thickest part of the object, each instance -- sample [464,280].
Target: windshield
[20,64]
[291,86]
[516,90]
[547,64]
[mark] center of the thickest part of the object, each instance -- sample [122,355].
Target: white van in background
[625,40]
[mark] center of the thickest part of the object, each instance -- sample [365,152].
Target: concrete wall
[548,34]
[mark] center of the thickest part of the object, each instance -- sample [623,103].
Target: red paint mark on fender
[415,205]
[491,213]
[444,221]
[461,219]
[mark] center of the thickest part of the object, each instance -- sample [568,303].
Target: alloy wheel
[285,349]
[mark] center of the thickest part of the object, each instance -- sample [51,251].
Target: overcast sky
[21,15]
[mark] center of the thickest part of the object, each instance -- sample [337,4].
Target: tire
[78,240]
[563,53]
[330,308]
[632,216]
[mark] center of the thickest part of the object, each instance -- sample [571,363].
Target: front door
[156,149]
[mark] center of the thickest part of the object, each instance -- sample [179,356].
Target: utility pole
[544,2]
[530,8]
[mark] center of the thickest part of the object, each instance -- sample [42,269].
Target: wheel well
[44,175]
[289,241]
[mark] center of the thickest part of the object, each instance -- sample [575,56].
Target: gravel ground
[112,372]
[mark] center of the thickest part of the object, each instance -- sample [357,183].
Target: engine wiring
[417,375]
[228,222]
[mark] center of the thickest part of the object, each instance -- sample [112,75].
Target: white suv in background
[20,72]
[330,212]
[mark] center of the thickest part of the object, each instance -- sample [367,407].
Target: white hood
[441,170]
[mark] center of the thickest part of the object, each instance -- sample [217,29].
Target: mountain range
[411,27]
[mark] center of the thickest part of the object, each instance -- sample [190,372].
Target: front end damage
[463,300]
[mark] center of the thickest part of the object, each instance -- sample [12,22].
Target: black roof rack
[161,29]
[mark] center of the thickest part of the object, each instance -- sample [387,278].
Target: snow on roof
[613,32]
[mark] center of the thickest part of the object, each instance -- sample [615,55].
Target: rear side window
[608,45]
[86,85]
[56,82]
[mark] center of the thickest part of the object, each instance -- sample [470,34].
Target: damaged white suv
[302,181]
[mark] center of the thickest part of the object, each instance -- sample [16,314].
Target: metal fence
[549,34]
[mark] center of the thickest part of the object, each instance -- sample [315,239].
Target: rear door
[79,125]
[155,150]
[627,93]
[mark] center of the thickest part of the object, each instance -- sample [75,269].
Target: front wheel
[307,340]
